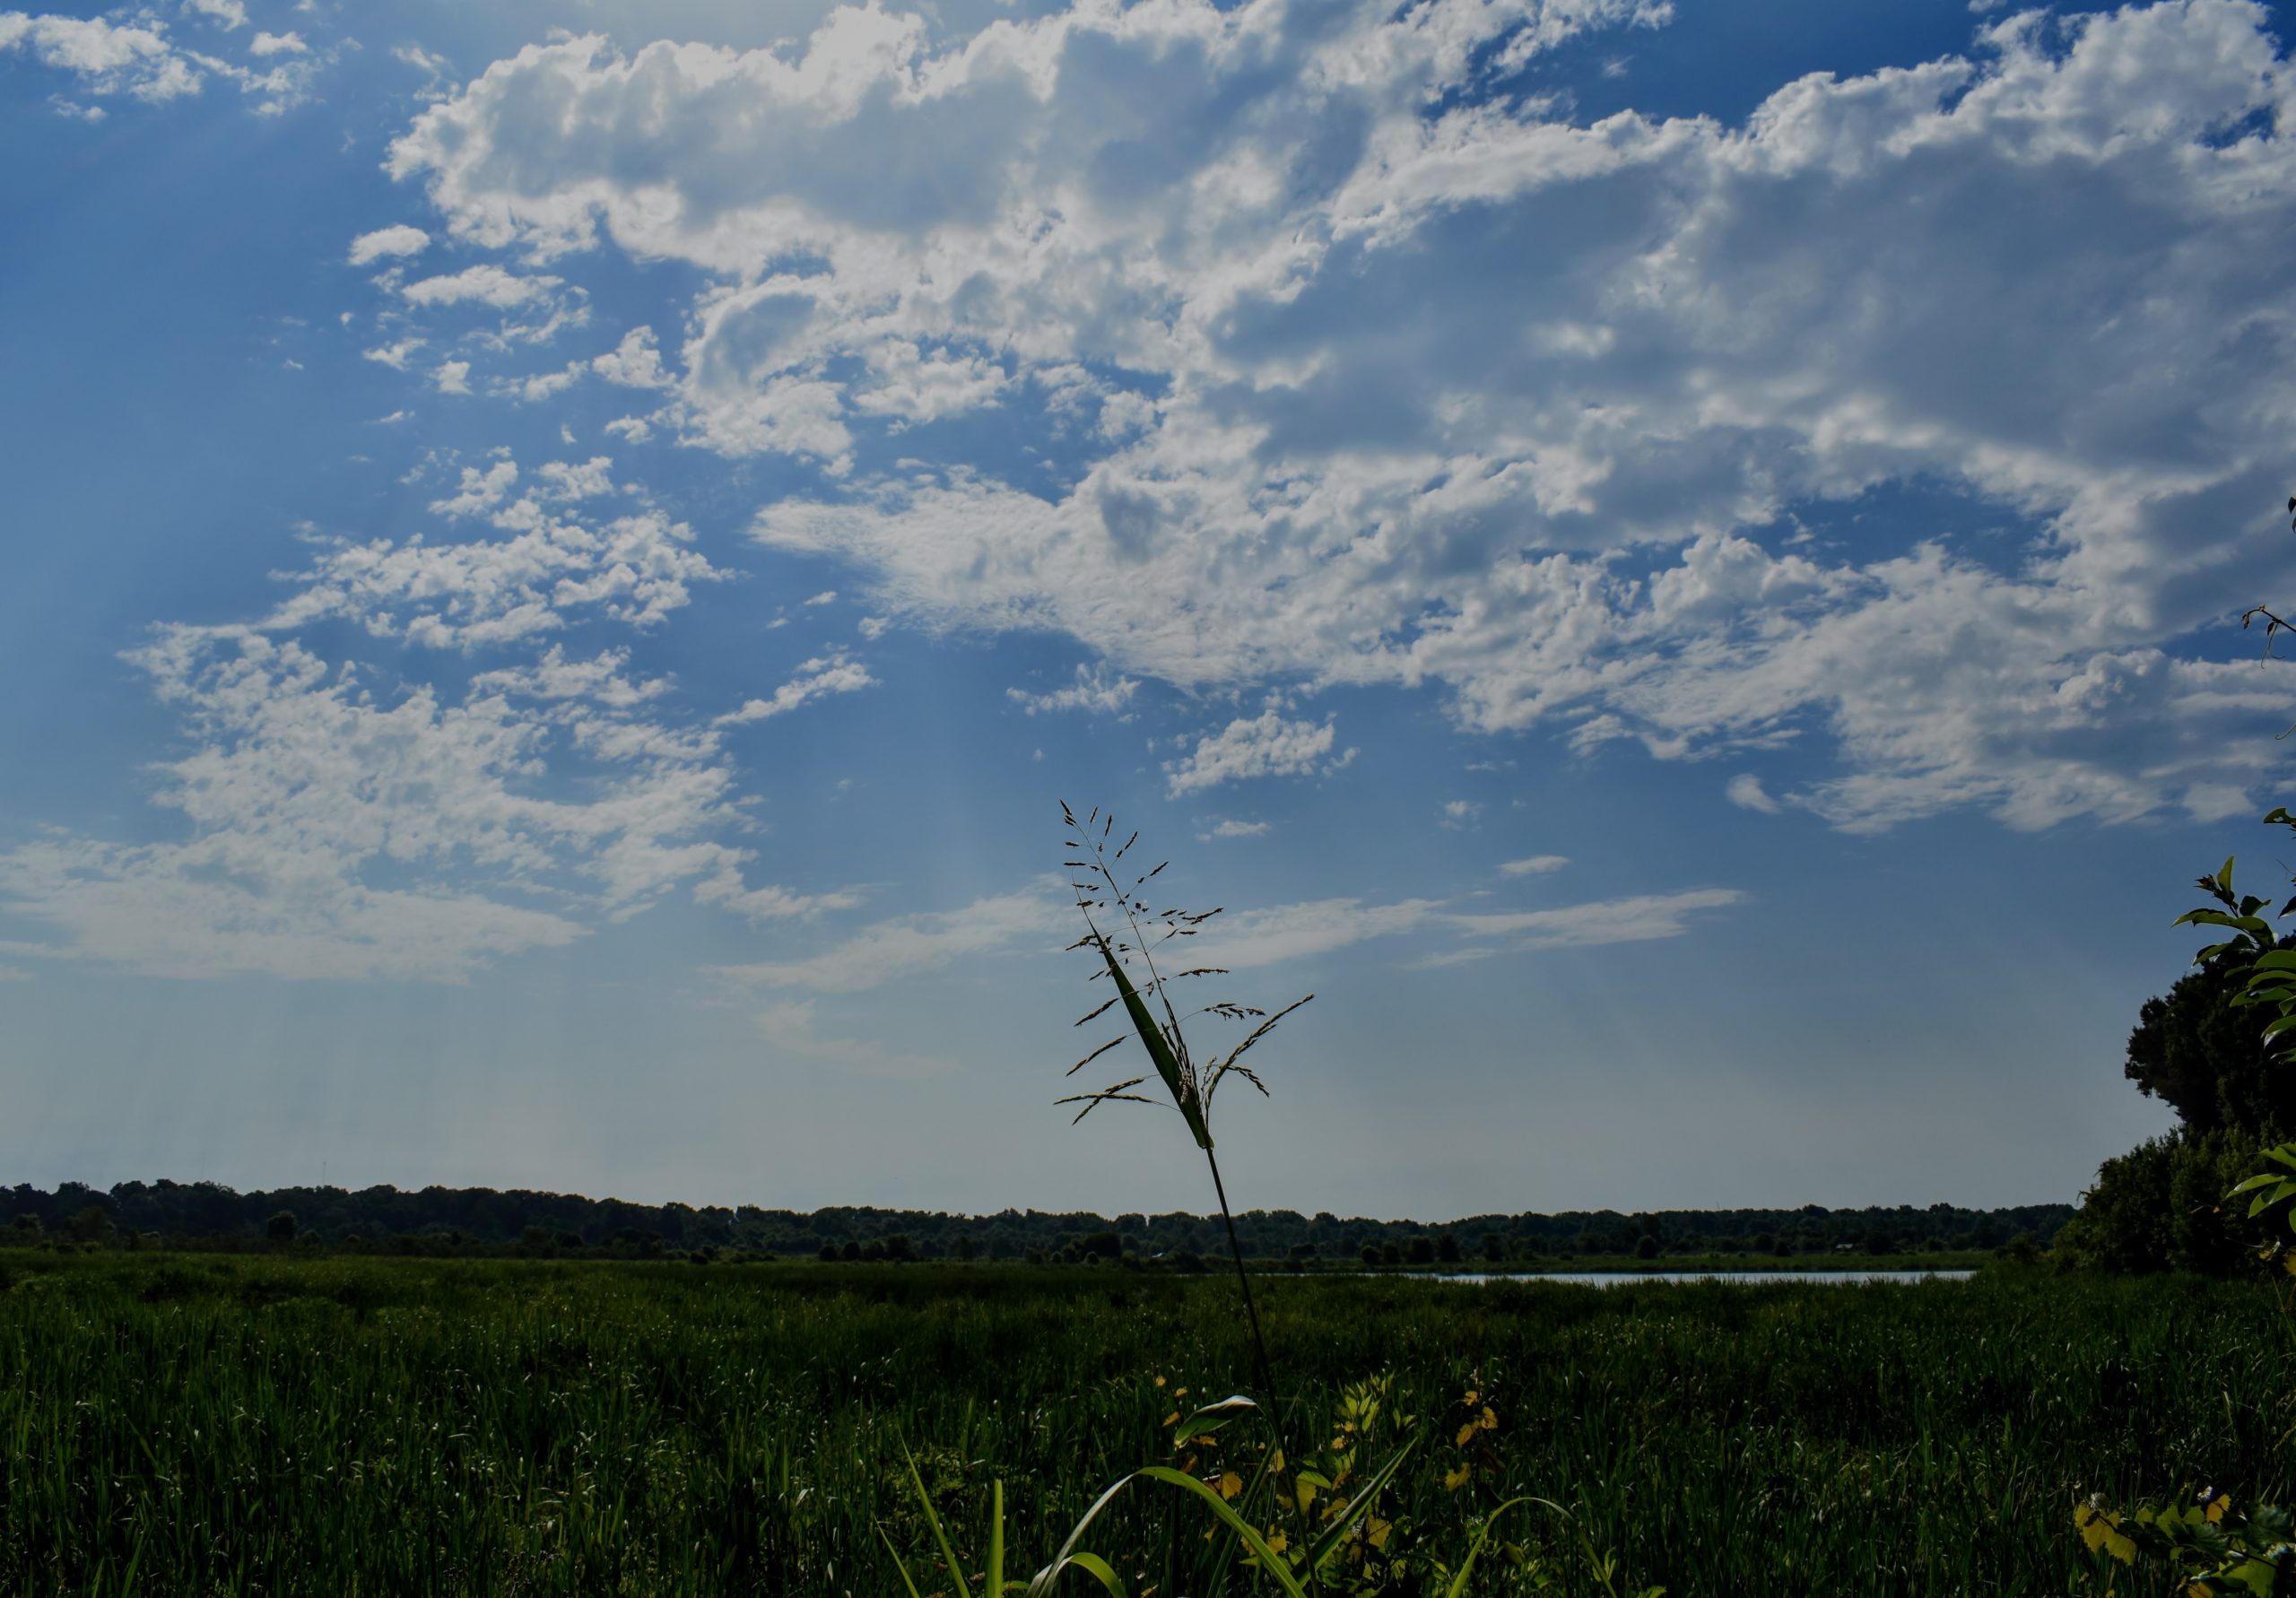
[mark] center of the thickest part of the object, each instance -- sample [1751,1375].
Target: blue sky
[1676,565]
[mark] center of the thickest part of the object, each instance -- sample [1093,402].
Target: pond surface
[1622,1278]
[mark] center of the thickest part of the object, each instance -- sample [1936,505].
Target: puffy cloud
[105,57]
[1234,829]
[1094,689]
[636,362]
[395,355]
[1534,866]
[815,679]
[552,566]
[1265,745]
[1746,790]
[332,829]
[138,58]
[1371,374]
[484,285]
[304,785]
[400,239]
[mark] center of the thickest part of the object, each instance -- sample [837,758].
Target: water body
[1603,1279]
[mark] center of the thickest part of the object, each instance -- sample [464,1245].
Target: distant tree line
[445,1220]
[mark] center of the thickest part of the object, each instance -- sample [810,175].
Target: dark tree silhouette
[2207,1058]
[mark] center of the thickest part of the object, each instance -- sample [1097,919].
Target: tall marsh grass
[390,1426]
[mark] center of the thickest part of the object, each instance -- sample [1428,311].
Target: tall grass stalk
[1192,1088]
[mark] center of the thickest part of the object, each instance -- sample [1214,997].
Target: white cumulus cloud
[401,238]
[1364,375]
[1264,745]
[1094,689]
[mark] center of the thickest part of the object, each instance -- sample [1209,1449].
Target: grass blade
[1270,1561]
[1475,1550]
[1168,1065]
[933,1520]
[1358,1506]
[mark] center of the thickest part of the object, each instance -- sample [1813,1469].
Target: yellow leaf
[1230,1484]
[1454,1480]
[2224,1501]
[1277,1542]
[1375,1533]
[1159,1381]
[1471,1400]
[1466,1434]
[1173,1419]
[2121,1546]
[2093,1527]
[1489,1421]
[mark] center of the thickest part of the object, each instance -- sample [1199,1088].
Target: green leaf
[1167,1065]
[1069,1553]
[1324,1546]
[933,1521]
[1211,1417]
[1091,1565]
[2255,1576]
[1271,1563]
[996,1540]
[900,1564]
[1475,1550]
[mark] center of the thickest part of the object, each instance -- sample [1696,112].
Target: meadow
[195,1424]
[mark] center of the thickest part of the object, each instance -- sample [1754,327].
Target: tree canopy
[2207,1058]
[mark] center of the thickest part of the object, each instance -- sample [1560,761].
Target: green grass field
[198,1424]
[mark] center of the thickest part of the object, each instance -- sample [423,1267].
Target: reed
[1190,1087]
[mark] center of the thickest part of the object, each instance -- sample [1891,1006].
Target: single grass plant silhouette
[1131,939]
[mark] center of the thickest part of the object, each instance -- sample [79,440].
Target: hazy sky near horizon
[1677,564]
